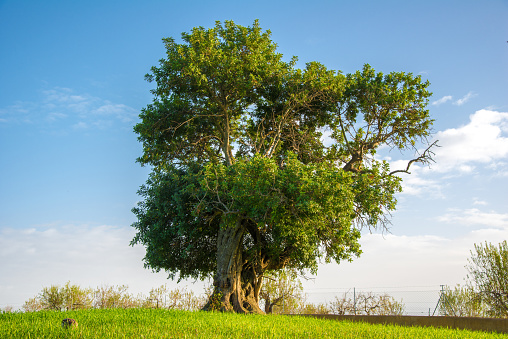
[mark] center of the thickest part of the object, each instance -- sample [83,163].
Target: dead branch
[424,158]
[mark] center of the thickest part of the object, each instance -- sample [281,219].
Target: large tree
[243,182]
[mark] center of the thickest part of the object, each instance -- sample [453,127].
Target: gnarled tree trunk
[236,289]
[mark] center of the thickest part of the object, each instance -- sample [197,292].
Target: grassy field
[152,323]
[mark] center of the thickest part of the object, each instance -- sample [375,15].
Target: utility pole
[354,299]
[283,307]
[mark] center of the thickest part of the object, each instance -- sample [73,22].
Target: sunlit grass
[153,323]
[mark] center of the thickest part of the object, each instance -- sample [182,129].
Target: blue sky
[72,85]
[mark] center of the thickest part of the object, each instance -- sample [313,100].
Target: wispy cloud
[83,254]
[120,112]
[61,107]
[442,100]
[477,201]
[475,217]
[458,102]
[416,183]
[15,113]
[429,259]
[80,125]
[56,116]
[96,255]
[464,99]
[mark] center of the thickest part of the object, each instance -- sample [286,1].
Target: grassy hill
[159,323]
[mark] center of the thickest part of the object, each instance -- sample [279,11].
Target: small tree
[319,308]
[488,274]
[32,305]
[282,292]
[75,297]
[367,304]
[67,297]
[461,302]
[114,297]
[52,298]
[7,309]
[190,301]
[179,299]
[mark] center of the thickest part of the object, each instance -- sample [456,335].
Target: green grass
[151,323]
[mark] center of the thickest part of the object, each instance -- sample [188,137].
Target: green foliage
[204,87]
[67,297]
[282,292]
[488,274]
[388,109]
[297,207]
[178,236]
[215,303]
[462,302]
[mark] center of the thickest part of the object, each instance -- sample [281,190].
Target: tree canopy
[258,165]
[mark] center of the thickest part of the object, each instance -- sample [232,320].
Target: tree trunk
[235,290]
[268,307]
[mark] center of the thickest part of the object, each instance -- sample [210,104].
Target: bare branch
[424,158]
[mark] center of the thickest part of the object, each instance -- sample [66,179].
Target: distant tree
[76,297]
[318,308]
[282,292]
[52,298]
[366,304]
[461,302]
[242,183]
[72,297]
[106,296]
[32,305]
[67,297]
[488,274]
[179,299]
[7,309]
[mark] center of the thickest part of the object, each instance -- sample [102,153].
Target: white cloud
[80,125]
[499,167]
[61,107]
[62,94]
[480,145]
[458,102]
[475,217]
[477,201]
[463,150]
[56,116]
[91,256]
[464,99]
[442,100]
[88,256]
[415,183]
[396,264]
[482,140]
[121,112]
[16,113]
